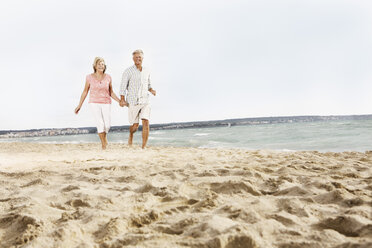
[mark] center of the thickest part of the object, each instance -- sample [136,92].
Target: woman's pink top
[99,90]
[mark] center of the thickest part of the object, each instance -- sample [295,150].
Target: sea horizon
[204,123]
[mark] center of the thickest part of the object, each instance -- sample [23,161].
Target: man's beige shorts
[140,111]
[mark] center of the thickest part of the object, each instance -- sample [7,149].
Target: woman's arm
[112,94]
[83,96]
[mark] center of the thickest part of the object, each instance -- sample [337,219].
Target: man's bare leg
[145,132]
[103,140]
[132,130]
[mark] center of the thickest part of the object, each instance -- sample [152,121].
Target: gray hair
[138,51]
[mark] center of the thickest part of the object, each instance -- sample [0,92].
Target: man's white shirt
[135,85]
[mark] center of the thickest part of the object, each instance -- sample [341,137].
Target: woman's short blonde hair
[96,61]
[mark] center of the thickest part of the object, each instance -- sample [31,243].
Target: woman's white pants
[102,114]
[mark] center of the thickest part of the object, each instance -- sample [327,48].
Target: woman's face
[100,67]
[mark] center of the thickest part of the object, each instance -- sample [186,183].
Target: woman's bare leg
[105,136]
[103,140]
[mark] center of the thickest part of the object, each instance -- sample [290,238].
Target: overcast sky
[208,59]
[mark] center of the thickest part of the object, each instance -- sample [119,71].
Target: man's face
[137,58]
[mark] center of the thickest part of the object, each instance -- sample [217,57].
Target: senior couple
[134,93]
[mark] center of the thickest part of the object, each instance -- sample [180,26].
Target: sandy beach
[75,195]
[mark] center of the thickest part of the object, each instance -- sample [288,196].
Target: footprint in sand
[110,229]
[232,187]
[70,188]
[78,203]
[144,219]
[348,226]
[19,230]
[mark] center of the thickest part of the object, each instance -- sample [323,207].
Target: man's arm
[123,88]
[150,87]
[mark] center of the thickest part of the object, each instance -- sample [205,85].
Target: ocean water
[336,136]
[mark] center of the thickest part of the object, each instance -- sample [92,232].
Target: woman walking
[100,85]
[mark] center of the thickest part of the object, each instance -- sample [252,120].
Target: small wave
[285,150]
[157,132]
[201,134]
[160,138]
[215,144]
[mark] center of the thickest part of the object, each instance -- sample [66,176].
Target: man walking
[134,88]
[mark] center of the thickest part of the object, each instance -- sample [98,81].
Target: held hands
[123,103]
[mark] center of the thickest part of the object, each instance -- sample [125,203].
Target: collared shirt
[136,85]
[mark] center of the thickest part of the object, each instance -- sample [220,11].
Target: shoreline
[123,144]
[68,195]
